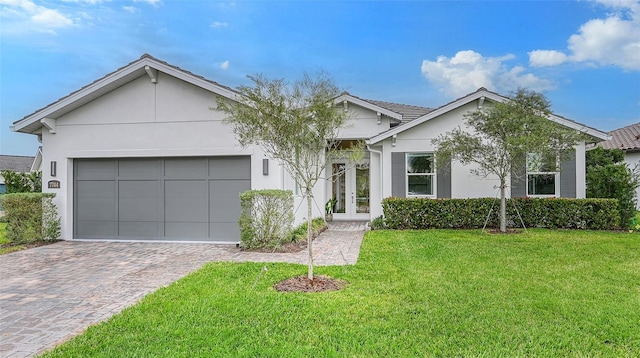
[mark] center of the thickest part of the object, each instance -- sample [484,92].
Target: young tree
[296,124]
[609,177]
[503,134]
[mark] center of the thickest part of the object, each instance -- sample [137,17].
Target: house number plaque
[54,184]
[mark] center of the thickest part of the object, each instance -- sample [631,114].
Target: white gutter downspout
[379,152]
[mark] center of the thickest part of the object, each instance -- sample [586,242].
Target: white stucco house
[628,139]
[139,154]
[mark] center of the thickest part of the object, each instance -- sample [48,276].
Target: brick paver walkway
[51,293]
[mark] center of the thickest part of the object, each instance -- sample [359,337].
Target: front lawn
[412,293]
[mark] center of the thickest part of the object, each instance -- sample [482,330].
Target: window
[541,175]
[420,174]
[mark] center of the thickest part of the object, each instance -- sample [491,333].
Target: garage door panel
[225,199]
[138,169]
[138,200]
[230,168]
[137,229]
[96,229]
[97,199]
[185,168]
[186,230]
[96,169]
[186,201]
[221,231]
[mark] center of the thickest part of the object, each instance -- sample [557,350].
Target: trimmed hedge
[30,217]
[420,213]
[266,217]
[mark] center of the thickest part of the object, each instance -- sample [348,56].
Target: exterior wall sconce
[54,167]
[265,166]
[393,140]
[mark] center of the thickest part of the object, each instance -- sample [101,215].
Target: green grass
[412,294]
[4,241]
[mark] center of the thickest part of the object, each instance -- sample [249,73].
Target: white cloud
[90,2]
[150,2]
[225,65]
[612,41]
[131,9]
[541,58]
[468,70]
[51,18]
[218,24]
[25,16]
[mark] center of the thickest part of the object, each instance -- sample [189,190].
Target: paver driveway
[51,293]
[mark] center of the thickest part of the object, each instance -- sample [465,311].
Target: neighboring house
[17,163]
[140,154]
[627,139]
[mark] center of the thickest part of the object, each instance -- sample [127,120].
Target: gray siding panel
[518,182]
[398,175]
[443,178]
[568,178]
[155,198]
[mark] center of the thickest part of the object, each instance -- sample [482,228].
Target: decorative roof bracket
[50,124]
[153,74]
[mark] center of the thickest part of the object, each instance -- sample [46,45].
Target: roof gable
[400,112]
[146,65]
[480,95]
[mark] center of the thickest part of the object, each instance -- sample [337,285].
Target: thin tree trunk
[309,233]
[503,209]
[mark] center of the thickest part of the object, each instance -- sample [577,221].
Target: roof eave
[362,103]
[486,94]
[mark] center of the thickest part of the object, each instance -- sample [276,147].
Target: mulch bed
[303,284]
[30,245]
[509,231]
[288,248]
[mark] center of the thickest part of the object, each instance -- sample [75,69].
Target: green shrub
[377,223]
[266,217]
[22,182]
[609,177]
[419,213]
[31,217]
[298,234]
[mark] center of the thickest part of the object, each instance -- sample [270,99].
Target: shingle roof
[408,112]
[17,163]
[626,138]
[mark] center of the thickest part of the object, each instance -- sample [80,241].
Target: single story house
[18,164]
[628,139]
[141,154]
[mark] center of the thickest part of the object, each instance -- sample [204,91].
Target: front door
[350,187]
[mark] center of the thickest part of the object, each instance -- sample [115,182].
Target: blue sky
[584,55]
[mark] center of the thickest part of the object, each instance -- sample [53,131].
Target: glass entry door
[350,186]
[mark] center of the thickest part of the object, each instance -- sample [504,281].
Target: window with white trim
[542,178]
[420,174]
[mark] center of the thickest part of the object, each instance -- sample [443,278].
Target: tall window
[420,174]
[541,175]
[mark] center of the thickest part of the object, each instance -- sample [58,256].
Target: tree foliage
[22,182]
[609,177]
[295,123]
[500,135]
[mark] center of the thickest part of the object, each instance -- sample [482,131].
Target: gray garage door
[161,198]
